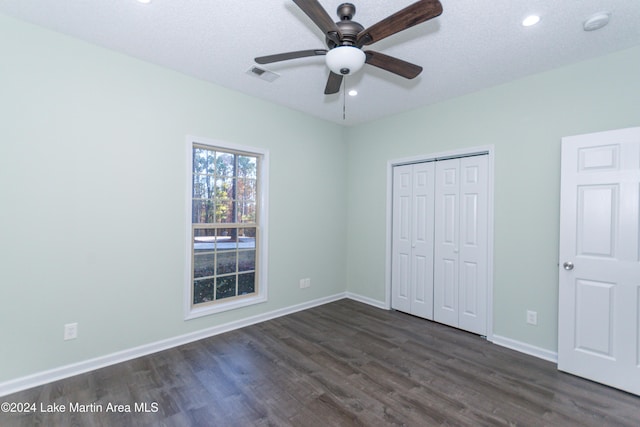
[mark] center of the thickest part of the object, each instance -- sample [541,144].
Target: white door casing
[461,243]
[599,278]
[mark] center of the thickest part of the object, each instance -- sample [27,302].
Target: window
[227,226]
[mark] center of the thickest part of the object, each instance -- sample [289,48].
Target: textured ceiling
[474,44]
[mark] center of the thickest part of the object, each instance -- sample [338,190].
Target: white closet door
[412,264]
[401,243]
[473,242]
[461,236]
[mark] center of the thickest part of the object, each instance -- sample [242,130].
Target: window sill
[196,312]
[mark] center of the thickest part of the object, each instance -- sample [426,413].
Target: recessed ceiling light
[144,1]
[530,20]
[353,92]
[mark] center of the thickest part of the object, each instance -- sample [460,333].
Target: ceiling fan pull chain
[344,99]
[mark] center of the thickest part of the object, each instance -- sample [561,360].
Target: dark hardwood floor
[340,364]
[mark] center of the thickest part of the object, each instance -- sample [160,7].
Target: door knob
[568,265]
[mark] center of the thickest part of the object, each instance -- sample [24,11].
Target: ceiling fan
[346,38]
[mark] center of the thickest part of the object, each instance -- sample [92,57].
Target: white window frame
[191,311]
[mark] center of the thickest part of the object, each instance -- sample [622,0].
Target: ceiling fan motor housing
[346,11]
[348,29]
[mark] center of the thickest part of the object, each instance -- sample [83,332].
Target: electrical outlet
[70,331]
[305,283]
[532,317]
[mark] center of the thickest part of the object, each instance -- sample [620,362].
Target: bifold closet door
[460,253]
[412,242]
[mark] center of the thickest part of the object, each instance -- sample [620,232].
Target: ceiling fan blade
[393,65]
[320,17]
[289,55]
[333,83]
[411,15]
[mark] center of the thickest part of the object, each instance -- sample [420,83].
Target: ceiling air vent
[263,74]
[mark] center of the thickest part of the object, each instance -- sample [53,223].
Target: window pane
[227,238]
[200,187]
[247,194]
[199,160]
[246,260]
[203,264]
[246,283]
[247,249]
[211,161]
[224,188]
[226,287]
[203,160]
[246,189]
[224,212]
[204,239]
[246,212]
[224,195]
[202,212]
[226,262]
[247,166]
[248,232]
[246,241]
[224,164]
[203,290]
[203,252]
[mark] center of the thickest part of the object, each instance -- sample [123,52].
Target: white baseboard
[367,300]
[522,347]
[44,377]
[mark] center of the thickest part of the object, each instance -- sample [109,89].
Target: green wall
[525,121]
[92,172]
[92,187]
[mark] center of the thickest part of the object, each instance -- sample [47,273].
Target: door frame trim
[489,150]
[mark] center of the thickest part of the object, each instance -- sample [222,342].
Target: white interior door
[599,286]
[412,244]
[461,243]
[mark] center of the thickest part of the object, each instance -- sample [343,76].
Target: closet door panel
[449,277]
[422,244]
[469,289]
[473,244]
[401,243]
[412,243]
[447,225]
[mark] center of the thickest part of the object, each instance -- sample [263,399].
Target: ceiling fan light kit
[345,60]
[346,38]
